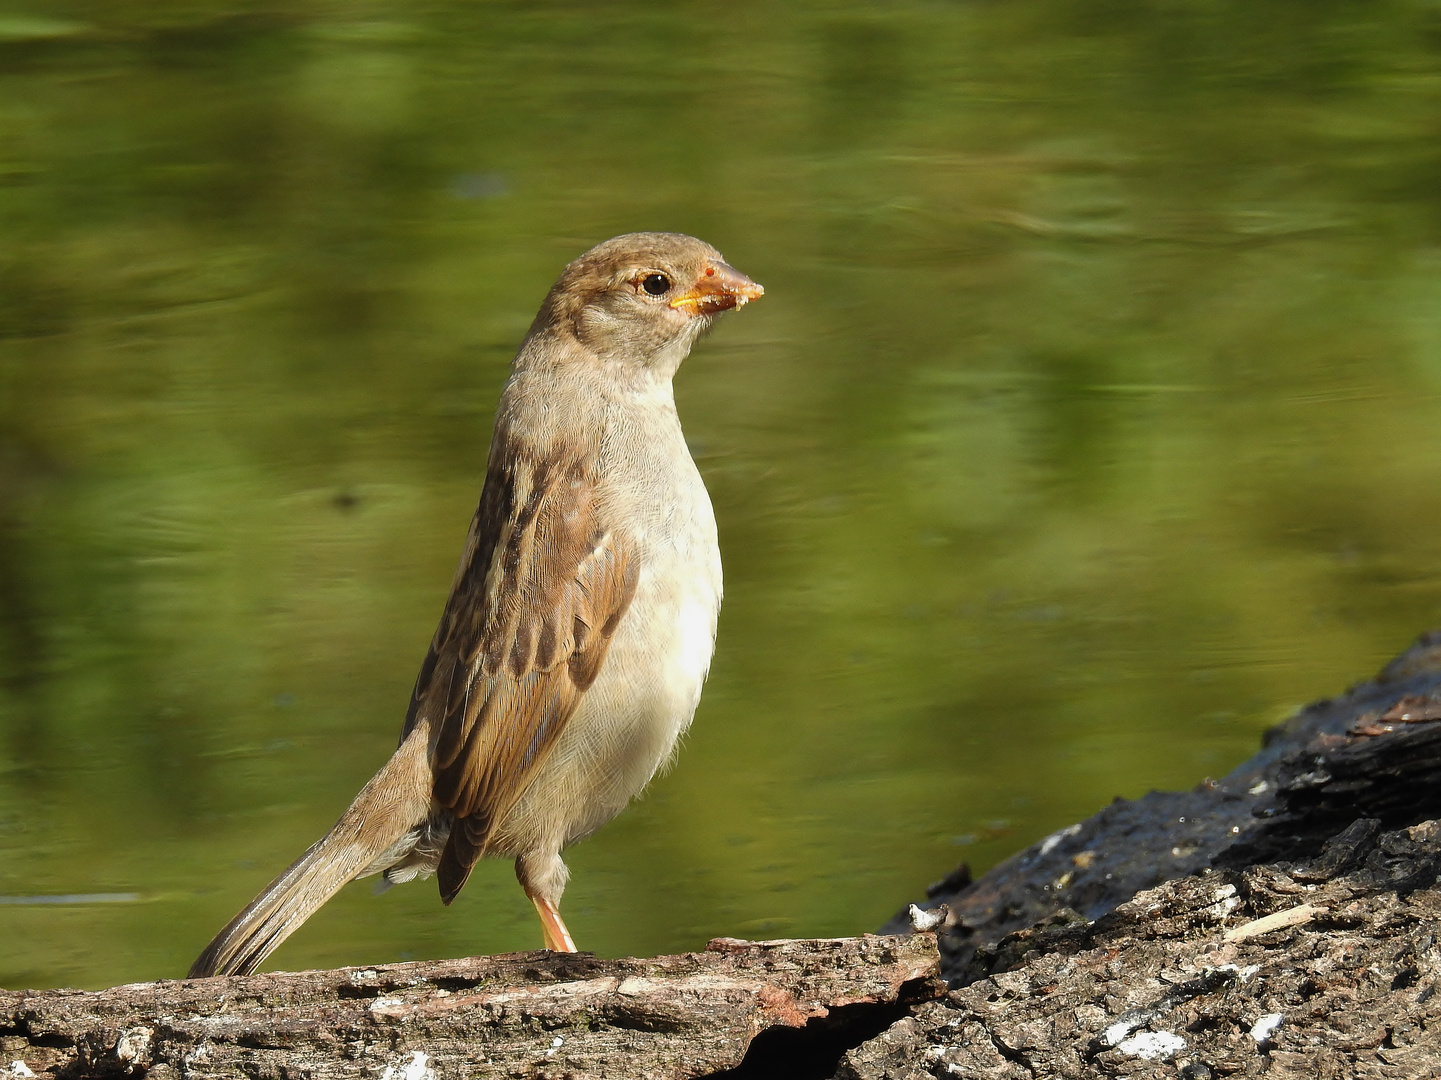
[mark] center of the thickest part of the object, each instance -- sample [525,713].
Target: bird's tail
[387,810]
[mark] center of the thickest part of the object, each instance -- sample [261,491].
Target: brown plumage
[580,624]
[556,594]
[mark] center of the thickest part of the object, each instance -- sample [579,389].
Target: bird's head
[644,298]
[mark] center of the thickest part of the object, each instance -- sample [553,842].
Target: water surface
[1091,422]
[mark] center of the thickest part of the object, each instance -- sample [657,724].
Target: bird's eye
[656,284]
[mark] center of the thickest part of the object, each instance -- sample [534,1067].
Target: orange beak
[720,288]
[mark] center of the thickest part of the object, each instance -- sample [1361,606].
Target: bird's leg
[542,875]
[557,937]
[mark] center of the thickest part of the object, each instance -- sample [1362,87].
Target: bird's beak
[720,288]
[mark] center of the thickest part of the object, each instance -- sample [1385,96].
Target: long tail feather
[390,806]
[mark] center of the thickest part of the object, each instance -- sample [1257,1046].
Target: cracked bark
[528,1014]
[1371,753]
[1282,920]
[1291,971]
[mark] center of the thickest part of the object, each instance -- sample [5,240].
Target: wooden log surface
[1323,971]
[526,1014]
[1373,752]
[1283,921]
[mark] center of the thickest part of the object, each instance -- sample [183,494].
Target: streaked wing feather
[531,615]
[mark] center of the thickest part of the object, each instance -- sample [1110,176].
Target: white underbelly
[627,724]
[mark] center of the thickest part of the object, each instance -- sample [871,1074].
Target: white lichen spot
[1224,908]
[1119,1030]
[1153,1045]
[1264,1028]
[924,921]
[1243,974]
[134,1045]
[381,1004]
[200,1053]
[1226,902]
[362,977]
[555,1044]
[18,1068]
[1048,845]
[417,1068]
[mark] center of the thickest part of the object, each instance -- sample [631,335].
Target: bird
[581,620]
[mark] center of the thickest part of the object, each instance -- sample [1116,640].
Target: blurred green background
[1090,423]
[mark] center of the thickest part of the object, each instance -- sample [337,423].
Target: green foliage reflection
[1090,422]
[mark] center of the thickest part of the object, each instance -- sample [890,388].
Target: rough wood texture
[1373,752]
[522,1015]
[1297,973]
[1322,964]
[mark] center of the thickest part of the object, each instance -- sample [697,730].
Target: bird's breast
[662,514]
[671,625]
[627,723]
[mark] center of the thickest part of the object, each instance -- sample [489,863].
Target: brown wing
[534,606]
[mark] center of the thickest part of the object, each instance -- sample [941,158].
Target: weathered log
[1374,752]
[1065,967]
[1287,971]
[1297,973]
[525,1014]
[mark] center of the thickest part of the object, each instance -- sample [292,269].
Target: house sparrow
[581,621]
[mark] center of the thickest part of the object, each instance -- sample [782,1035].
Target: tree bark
[1297,973]
[1283,919]
[526,1014]
[1374,752]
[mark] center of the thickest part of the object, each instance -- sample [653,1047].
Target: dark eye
[656,284]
